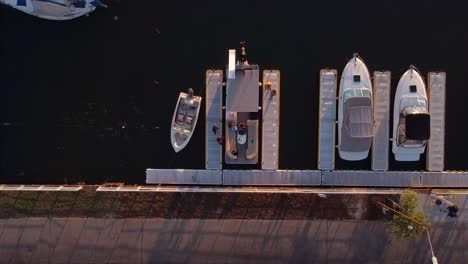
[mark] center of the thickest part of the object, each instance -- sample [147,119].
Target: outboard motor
[243,55]
[190,92]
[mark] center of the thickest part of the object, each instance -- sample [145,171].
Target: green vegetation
[405,228]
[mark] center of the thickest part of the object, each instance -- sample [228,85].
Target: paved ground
[55,240]
[271,239]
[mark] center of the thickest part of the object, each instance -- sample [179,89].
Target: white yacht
[184,119]
[355,114]
[54,9]
[411,119]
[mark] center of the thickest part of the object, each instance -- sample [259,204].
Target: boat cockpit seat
[180,118]
[189,120]
[180,138]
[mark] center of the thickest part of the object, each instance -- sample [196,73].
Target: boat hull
[184,120]
[347,146]
[52,10]
[409,78]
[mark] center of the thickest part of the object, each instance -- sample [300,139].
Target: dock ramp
[271,119]
[327,114]
[214,119]
[435,147]
[380,141]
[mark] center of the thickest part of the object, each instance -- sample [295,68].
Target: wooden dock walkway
[327,117]
[435,147]
[214,119]
[380,141]
[271,119]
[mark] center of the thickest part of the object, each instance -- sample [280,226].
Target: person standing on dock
[272,93]
[215,129]
[243,55]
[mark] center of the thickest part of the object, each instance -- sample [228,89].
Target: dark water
[91,99]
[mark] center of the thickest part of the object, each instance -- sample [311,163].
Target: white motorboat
[184,119]
[54,9]
[411,119]
[355,111]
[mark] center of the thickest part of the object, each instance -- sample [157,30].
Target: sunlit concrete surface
[59,240]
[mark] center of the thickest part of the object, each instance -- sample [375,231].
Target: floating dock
[242,107]
[325,176]
[327,117]
[214,119]
[457,179]
[271,119]
[371,178]
[184,176]
[435,147]
[341,178]
[380,141]
[272,177]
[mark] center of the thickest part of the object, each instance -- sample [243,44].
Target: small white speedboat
[355,111]
[184,119]
[54,9]
[411,119]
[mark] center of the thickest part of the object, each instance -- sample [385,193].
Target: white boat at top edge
[411,119]
[54,9]
[184,119]
[355,111]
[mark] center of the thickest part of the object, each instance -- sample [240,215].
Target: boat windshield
[359,92]
[413,101]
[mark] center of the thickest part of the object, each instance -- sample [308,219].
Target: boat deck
[214,116]
[380,141]
[435,147]
[327,117]
[271,120]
